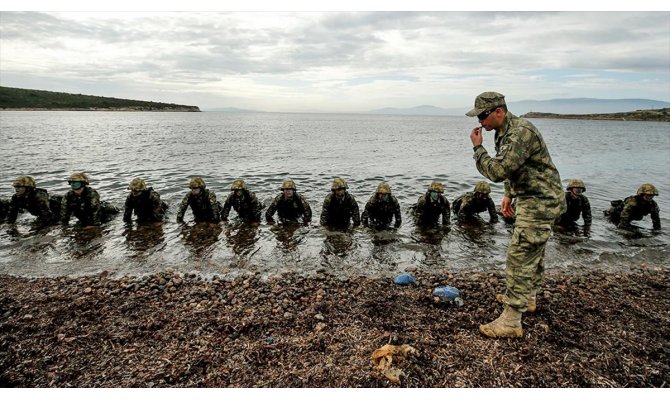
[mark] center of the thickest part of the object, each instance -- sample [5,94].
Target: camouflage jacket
[85,207]
[205,208]
[523,162]
[427,211]
[381,213]
[35,201]
[576,207]
[635,208]
[469,205]
[289,210]
[247,206]
[338,213]
[147,206]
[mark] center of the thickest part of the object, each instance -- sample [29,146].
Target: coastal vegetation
[660,114]
[28,99]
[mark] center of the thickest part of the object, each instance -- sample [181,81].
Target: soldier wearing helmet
[578,204]
[243,201]
[289,205]
[202,201]
[30,198]
[634,208]
[430,206]
[339,207]
[468,206]
[144,202]
[83,202]
[382,208]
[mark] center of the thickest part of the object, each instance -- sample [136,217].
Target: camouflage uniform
[204,206]
[468,205]
[338,212]
[35,201]
[381,212]
[289,210]
[4,206]
[147,206]
[247,206]
[523,162]
[427,211]
[633,208]
[576,207]
[86,207]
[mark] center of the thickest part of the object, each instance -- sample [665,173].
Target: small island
[42,100]
[660,114]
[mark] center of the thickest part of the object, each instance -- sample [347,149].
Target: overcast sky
[337,61]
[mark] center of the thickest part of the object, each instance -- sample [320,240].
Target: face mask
[76,185]
[433,196]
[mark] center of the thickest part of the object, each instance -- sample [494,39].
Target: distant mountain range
[556,106]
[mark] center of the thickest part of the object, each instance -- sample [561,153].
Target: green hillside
[27,99]
[661,114]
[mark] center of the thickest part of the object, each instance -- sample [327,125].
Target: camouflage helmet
[384,188]
[339,183]
[288,184]
[576,183]
[137,184]
[196,182]
[24,181]
[238,184]
[483,187]
[78,177]
[437,187]
[647,188]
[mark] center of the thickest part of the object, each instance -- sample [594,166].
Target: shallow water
[612,157]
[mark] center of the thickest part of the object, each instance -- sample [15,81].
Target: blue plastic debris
[446,294]
[404,279]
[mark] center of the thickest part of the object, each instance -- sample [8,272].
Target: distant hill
[28,99]
[558,106]
[662,115]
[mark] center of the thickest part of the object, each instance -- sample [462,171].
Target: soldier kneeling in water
[30,198]
[84,202]
[634,208]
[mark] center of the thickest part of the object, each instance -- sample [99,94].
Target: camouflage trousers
[525,262]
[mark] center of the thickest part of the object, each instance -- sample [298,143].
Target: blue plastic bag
[404,279]
[446,294]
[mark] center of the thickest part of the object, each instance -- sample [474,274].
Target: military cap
[486,101]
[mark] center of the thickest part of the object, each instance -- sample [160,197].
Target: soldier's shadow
[200,238]
[143,238]
[242,237]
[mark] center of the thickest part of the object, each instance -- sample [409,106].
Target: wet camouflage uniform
[338,213]
[576,207]
[633,208]
[86,207]
[204,207]
[289,211]
[247,206]
[523,162]
[4,206]
[380,213]
[35,201]
[147,207]
[469,205]
[427,212]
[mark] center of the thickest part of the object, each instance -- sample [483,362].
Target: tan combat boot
[508,324]
[532,300]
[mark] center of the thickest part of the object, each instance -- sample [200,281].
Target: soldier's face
[238,193]
[288,193]
[492,120]
[339,193]
[136,192]
[433,195]
[480,195]
[381,196]
[20,190]
[648,197]
[576,191]
[77,187]
[196,191]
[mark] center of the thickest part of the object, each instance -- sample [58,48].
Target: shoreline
[598,329]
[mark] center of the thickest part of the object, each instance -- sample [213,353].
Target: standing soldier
[243,201]
[289,205]
[29,197]
[84,202]
[145,202]
[202,201]
[634,208]
[430,206]
[523,162]
[339,207]
[578,205]
[469,205]
[382,208]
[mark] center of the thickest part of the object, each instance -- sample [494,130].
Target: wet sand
[172,330]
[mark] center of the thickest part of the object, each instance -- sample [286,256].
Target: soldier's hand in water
[476,136]
[506,207]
